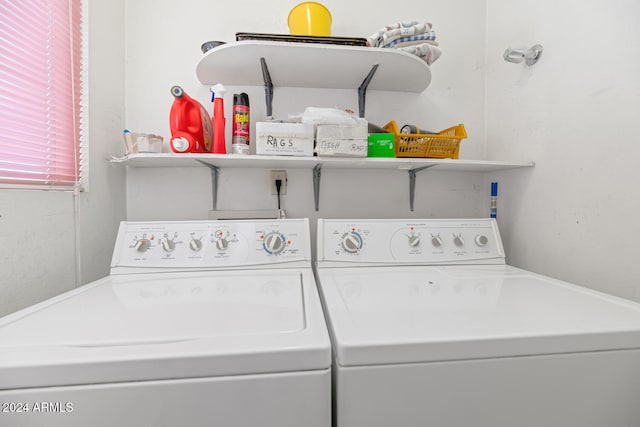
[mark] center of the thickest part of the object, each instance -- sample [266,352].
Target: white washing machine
[200,323]
[431,328]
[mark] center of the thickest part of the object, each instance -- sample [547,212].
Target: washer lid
[387,315]
[187,324]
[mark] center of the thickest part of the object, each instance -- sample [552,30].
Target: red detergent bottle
[191,130]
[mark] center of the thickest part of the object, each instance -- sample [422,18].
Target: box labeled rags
[284,139]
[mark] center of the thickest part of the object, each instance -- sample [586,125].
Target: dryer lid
[185,324]
[390,315]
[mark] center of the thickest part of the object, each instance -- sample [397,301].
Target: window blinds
[40,93]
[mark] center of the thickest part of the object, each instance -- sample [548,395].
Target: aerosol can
[190,124]
[241,123]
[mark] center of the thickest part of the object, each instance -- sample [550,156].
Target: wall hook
[530,56]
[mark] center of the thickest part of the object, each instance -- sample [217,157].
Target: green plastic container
[381,145]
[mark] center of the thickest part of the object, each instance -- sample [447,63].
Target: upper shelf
[313,66]
[254,161]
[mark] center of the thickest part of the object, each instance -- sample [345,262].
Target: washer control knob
[436,240]
[222,244]
[458,240]
[351,242]
[482,240]
[142,245]
[414,240]
[168,245]
[274,243]
[195,244]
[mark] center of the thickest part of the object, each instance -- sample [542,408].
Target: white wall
[37,228]
[163,49]
[573,216]
[575,112]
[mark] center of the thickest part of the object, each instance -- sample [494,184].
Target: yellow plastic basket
[442,145]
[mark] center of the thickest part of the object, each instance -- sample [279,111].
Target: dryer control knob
[195,244]
[414,240]
[142,245]
[482,240]
[168,245]
[274,243]
[351,242]
[222,244]
[458,240]
[436,240]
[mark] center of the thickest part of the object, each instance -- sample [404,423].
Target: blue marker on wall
[494,199]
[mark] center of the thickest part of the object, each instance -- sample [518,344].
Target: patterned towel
[420,38]
[425,51]
[392,32]
[404,44]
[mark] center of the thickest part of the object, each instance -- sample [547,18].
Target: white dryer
[430,327]
[200,323]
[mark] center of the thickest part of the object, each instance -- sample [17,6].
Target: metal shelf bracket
[268,87]
[412,183]
[317,171]
[214,183]
[362,90]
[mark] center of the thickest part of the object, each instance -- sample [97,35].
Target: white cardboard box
[284,139]
[337,140]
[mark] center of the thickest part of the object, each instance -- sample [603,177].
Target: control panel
[211,244]
[433,242]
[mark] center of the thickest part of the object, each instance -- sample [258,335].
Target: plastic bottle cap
[180,144]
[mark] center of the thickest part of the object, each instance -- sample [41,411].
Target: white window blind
[40,93]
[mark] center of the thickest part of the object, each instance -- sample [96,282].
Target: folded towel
[424,51]
[411,43]
[392,32]
[430,36]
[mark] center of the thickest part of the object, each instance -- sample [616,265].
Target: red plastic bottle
[191,130]
[219,122]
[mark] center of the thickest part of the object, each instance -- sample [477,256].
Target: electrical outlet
[281,175]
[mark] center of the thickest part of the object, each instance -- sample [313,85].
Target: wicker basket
[442,145]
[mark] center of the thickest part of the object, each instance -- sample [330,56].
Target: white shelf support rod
[412,183]
[268,87]
[317,171]
[362,90]
[214,183]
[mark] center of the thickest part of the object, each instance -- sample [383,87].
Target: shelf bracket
[362,90]
[268,87]
[317,170]
[214,183]
[412,183]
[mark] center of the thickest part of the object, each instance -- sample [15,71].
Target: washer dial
[196,244]
[169,245]
[142,245]
[481,240]
[222,238]
[274,243]
[414,240]
[351,242]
